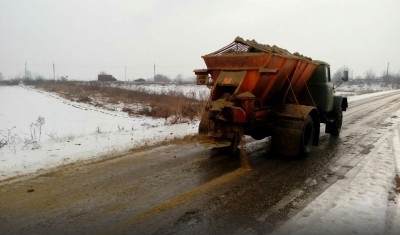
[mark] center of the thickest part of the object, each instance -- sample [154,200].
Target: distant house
[106,78]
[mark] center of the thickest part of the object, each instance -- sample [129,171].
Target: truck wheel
[335,127]
[307,136]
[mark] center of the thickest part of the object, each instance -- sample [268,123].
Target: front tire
[335,126]
[306,138]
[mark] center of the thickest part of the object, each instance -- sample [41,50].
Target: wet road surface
[185,188]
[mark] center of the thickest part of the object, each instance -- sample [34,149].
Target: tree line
[368,77]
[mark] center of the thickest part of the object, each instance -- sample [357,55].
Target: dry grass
[173,106]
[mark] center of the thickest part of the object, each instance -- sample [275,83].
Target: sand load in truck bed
[245,46]
[267,72]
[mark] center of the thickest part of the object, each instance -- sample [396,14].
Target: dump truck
[261,90]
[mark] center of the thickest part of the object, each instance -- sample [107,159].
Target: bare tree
[178,79]
[370,74]
[385,77]
[161,78]
[337,76]
[28,75]
[397,80]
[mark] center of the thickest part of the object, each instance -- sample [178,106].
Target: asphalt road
[185,188]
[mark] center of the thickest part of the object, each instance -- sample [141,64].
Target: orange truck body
[267,75]
[259,90]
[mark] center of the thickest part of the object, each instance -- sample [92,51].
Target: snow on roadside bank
[365,96]
[71,131]
[364,201]
[188,90]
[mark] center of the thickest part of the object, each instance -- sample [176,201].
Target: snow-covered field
[362,88]
[69,132]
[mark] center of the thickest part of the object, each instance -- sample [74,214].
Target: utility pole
[125,73]
[387,70]
[25,69]
[54,72]
[154,74]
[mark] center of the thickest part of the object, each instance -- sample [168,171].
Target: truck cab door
[321,88]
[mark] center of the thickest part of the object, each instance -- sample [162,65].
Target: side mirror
[345,77]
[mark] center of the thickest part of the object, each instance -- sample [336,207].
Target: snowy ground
[71,132]
[361,88]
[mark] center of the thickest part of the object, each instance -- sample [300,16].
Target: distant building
[106,78]
[139,80]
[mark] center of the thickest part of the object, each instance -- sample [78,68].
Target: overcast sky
[85,37]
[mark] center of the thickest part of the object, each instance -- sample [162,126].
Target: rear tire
[294,142]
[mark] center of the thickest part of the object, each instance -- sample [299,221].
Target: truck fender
[340,101]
